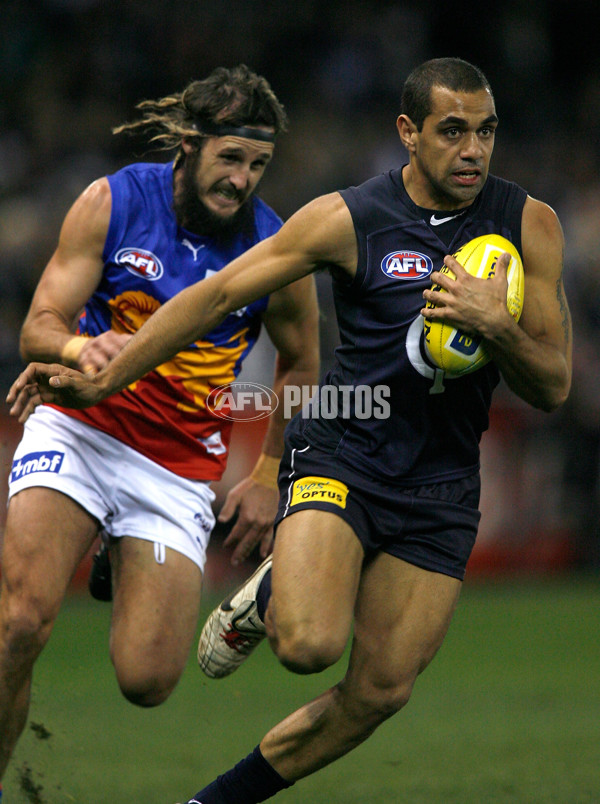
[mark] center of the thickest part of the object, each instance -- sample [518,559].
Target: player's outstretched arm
[318,234]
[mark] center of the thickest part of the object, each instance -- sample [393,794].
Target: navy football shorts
[432,526]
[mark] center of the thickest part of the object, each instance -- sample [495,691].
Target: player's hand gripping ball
[452,350]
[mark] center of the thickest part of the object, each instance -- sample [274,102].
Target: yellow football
[452,350]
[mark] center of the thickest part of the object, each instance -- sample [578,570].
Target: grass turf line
[509,711]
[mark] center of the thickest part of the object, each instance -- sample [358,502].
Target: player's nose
[240,178]
[471,147]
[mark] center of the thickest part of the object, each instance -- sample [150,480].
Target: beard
[192,214]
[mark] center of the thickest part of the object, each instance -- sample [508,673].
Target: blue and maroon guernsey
[435,424]
[148,259]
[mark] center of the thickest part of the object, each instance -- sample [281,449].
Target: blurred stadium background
[72,69]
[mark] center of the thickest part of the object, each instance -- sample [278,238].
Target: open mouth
[224,195]
[227,193]
[467,177]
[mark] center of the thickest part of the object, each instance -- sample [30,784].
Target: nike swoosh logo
[437,221]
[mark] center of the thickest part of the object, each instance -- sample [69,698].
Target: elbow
[34,340]
[221,306]
[556,402]
[554,398]
[25,350]
[552,391]
[548,405]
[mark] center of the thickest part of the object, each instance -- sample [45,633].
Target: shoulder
[542,237]
[320,223]
[86,223]
[94,203]
[97,193]
[541,221]
[537,214]
[320,234]
[325,229]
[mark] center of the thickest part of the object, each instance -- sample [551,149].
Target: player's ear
[407,131]
[189,145]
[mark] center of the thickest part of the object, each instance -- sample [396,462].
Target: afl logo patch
[140,262]
[406,265]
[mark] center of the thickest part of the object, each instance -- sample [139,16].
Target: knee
[145,677]
[306,650]
[25,624]
[145,689]
[375,702]
[387,702]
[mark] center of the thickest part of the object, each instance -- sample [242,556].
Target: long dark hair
[235,96]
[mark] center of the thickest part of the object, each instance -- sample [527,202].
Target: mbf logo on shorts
[140,262]
[49,461]
[406,265]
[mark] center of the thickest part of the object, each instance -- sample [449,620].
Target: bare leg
[317,563]
[402,616]
[155,613]
[47,535]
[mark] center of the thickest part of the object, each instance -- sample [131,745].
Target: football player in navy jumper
[139,465]
[378,514]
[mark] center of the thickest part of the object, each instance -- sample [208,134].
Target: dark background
[72,69]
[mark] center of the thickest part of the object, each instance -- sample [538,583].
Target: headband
[223,130]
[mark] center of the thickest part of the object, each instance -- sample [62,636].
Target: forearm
[536,371]
[175,325]
[44,338]
[304,372]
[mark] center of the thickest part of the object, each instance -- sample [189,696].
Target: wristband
[266,470]
[72,349]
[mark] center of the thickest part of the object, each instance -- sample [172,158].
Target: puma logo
[194,251]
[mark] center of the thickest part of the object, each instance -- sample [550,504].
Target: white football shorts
[127,493]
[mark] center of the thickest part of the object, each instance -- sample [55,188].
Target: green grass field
[509,711]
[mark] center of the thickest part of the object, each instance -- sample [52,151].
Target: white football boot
[233,629]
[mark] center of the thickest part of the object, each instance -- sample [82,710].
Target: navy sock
[263,594]
[252,780]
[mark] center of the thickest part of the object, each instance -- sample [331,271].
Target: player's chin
[466,188]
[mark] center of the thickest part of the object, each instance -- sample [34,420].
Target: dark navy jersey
[432,428]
